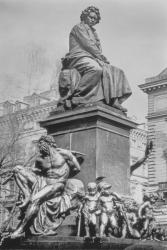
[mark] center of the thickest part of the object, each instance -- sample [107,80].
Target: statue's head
[146,197]
[44,142]
[105,188]
[92,188]
[131,206]
[153,198]
[90,16]
[149,197]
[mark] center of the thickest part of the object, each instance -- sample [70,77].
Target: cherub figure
[146,214]
[90,209]
[108,208]
[131,221]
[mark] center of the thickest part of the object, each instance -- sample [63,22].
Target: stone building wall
[156,89]
[139,178]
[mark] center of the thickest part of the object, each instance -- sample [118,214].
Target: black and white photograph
[83,124]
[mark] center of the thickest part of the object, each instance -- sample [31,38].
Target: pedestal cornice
[95,112]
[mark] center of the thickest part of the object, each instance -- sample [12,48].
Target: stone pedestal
[102,134]
[72,243]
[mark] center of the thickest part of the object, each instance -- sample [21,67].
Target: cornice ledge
[152,86]
[156,115]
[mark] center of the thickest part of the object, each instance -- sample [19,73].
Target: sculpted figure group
[107,214]
[48,193]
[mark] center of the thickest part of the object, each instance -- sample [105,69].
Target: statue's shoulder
[62,151]
[79,26]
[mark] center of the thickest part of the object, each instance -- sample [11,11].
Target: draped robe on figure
[84,44]
[51,210]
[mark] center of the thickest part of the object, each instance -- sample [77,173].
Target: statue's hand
[36,170]
[104,59]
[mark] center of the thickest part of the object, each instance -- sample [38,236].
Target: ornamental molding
[155,83]
[153,86]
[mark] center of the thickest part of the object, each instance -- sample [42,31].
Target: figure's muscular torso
[53,167]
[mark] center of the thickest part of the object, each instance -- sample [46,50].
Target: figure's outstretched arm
[117,196]
[137,164]
[67,154]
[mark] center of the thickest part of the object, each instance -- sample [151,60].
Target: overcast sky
[34,36]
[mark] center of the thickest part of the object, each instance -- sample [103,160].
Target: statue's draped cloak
[50,211]
[83,44]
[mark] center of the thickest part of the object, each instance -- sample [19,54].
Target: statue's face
[92,188]
[152,200]
[92,191]
[106,191]
[91,19]
[43,147]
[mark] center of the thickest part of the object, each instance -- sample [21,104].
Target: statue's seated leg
[79,83]
[48,192]
[24,179]
[87,88]
[30,213]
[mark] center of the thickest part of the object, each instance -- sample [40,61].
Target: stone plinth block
[102,134]
[72,243]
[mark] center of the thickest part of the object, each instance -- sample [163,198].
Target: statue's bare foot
[17,234]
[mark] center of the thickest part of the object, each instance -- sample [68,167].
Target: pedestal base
[72,243]
[102,134]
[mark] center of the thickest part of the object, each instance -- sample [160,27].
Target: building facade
[139,178]
[156,89]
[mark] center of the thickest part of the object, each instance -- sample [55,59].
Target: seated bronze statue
[87,75]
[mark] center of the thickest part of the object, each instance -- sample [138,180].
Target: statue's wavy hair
[86,12]
[48,139]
